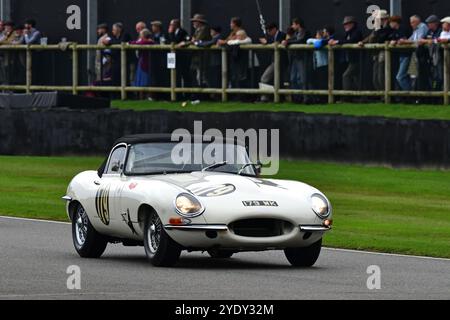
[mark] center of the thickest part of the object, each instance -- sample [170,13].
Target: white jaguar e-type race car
[141,196]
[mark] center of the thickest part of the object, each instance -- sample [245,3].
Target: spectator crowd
[12,63]
[419,69]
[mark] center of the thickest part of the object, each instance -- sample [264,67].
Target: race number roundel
[215,191]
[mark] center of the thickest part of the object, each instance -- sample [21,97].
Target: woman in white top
[445,34]
[240,60]
[241,38]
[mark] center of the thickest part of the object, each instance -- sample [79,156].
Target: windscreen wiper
[215,166]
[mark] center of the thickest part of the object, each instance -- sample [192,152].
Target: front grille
[260,227]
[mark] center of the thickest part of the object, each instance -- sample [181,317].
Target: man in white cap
[445,34]
[379,35]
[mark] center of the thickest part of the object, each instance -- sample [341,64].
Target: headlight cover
[188,206]
[320,206]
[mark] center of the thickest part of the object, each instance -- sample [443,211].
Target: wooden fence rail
[224,90]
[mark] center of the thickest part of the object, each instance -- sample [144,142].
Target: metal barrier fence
[224,91]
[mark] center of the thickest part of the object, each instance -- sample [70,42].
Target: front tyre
[304,257]
[87,242]
[160,249]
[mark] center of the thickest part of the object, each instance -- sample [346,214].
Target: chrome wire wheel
[160,249]
[81,226]
[154,233]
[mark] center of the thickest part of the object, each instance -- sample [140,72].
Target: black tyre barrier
[302,136]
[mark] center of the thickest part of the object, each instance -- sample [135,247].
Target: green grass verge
[32,187]
[391,111]
[381,209]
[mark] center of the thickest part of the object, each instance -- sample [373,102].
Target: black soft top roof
[149,138]
[163,137]
[143,138]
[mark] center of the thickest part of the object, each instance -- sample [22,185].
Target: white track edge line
[34,220]
[386,254]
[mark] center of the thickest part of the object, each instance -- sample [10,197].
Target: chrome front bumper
[219,235]
[314,228]
[223,227]
[197,227]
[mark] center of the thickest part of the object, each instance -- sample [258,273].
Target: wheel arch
[143,211]
[71,207]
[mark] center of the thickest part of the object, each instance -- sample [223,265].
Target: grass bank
[400,111]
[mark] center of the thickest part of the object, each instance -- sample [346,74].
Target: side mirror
[258,168]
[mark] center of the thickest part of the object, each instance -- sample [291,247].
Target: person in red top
[142,78]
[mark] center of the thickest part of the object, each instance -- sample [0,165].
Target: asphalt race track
[35,256]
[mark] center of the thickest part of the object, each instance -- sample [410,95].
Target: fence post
[123,71]
[446,74]
[224,74]
[277,74]
[387,73]
[74,69]
[173,77]
[330,75]
[29,67]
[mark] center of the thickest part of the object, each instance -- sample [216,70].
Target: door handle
[97,182]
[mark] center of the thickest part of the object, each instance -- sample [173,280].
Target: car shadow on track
[205,262]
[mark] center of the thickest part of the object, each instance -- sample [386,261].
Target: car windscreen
[163,157]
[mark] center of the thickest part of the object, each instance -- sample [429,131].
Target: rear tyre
[304,257]
[87,242]
[220,254]
[160,249]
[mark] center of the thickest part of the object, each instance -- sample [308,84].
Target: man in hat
[201,29]
[199,62]
[430,57]
[350,77]
[158,35]
[380,35]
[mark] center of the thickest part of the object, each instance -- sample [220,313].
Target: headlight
[320,206]
[188,206]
